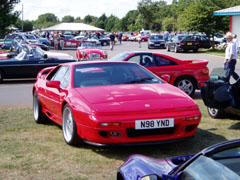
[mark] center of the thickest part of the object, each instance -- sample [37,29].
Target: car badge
[147,105]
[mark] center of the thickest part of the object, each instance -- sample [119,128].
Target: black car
[29,62]
[182,42]
[220,96]
[103,39]
[156,41]
[203,40]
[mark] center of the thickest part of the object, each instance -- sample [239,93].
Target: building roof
[232,11]
[72,27]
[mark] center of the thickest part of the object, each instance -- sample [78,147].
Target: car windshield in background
[156,37]
[119,57]
[90,45]
[189,38]
[90,75]
[205,168]
[181,37]
[30,37]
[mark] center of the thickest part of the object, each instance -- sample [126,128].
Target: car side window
[136,59]
[162,61]
[147,61]
[62,75]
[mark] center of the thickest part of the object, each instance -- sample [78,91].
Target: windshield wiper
[139,80]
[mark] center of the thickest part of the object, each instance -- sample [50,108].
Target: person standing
[165,35]
[230,58]
[112,40]
[55,40]
[139,39]
[61,42]
[235,40]
[120,37]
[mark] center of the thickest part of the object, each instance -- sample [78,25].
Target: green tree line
[189,15]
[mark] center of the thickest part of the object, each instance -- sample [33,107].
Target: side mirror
[45,56]
[151,177]
[166,77]
[53,84]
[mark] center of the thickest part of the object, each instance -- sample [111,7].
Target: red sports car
[113,103]
[185,74]
[91,50]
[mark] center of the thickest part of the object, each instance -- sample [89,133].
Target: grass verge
[37,152]
[213,52]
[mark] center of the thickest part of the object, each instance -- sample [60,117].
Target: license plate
[189,44]
[154,123]
[157,44]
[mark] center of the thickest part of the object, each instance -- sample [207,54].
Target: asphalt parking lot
[18,92]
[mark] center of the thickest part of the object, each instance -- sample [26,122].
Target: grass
[213,52]
[32,151]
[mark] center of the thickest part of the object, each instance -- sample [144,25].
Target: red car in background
[185,74]
[113,103]
[91,50]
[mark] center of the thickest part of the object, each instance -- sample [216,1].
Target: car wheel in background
[195,50]
[186,84]
[69,127]
[1,76]
[167,48]
[216,113]
[38,116]
[176,49]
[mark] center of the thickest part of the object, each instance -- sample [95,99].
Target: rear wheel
[216,113]
[176,49]
[1,76]
[38,116]
[186,84]
[69,127]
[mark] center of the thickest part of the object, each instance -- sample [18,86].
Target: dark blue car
[218,162]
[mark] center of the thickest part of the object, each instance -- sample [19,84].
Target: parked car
[182,42]
[91,50]
[103,39]
[203,41]
[156,41]
[183,74]
[20,37]
[220,96]
[220,161]
[29,62]
[113,103]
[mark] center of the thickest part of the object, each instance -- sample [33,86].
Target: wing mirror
[166,77]
[53,84]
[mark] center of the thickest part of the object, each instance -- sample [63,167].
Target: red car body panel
[124,104]
[193,68]
[72,43]
[85,54]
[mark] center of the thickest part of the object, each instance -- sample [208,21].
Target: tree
[68,19]
[112,24]
[78,20]
[128,20]
[27,25]
[46,20]
[7,16]
[101,21]
[89,19]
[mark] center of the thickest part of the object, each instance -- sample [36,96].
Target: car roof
[97,62]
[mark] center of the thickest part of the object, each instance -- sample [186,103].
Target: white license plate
[157,44]
[154,123]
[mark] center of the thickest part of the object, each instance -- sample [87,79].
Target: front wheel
[186,84]
[215,113]
[38,116]
[69,127]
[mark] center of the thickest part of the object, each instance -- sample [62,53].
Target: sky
[32,9]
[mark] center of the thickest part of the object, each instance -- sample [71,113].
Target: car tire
[38,116]
[216,113]
[167,48]
[176,49]
[69,127]
[186,84]
[149,47]
[195,50]
[1,76]
[104,43]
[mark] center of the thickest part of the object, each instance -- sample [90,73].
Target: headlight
[150,42]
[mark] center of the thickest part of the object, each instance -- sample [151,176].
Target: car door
[54,95]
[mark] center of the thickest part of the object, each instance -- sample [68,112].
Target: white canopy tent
[72,27]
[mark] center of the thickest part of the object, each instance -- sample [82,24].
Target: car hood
[58,55]
[93,50]
[136,98]
[142,166]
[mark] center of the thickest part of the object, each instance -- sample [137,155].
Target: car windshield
[104,74]
[206,168]
[120,57]
[90,45]
[181,37]
[156,37]
[30,53]
[188,38]
[30,37]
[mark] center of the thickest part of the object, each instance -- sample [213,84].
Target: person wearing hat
[230,58]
